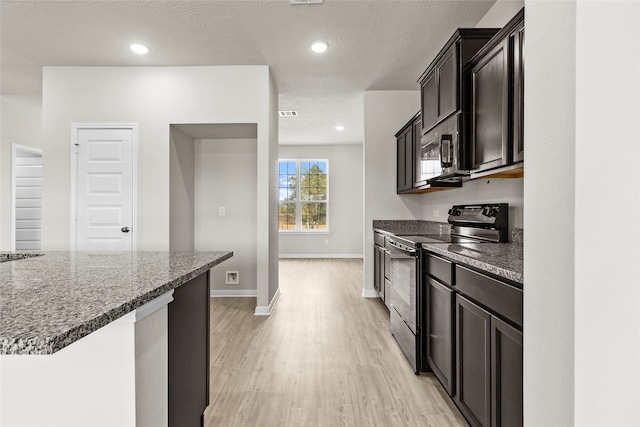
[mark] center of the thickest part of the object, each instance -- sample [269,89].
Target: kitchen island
[86,337]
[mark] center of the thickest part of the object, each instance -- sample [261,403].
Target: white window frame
[299,202]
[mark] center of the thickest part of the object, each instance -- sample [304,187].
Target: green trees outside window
[303,195]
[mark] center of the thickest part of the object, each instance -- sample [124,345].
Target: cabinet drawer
[439,268]
[502,298]
[378,239]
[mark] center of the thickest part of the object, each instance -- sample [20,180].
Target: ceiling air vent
[306,1]
[284,113]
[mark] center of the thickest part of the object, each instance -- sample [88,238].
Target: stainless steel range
[470,224]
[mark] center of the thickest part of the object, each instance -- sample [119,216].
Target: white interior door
[105,189]
[26,198]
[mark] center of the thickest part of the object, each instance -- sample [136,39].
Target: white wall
[181,193]
[226,176]
[607,272]
[155,97]
[385,112]
[20,123]
[477,191]
[345,203]
[582,299]
[549,190]
[500,13]
[272,214]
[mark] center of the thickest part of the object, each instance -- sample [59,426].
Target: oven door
[403,266]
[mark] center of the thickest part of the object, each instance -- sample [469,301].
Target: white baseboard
[321,256]
[215,293]
[266,310]
[370,293]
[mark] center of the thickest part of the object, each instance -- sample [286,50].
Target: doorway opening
[214,198]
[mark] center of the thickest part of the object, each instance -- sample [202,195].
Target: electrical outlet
[326,241]
[436,213]
[222,211]
[233,277]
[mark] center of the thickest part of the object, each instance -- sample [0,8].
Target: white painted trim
[75,127]
[148,308]
[321,256]
[215,293]
[370,293]
[263,310]
[12,216]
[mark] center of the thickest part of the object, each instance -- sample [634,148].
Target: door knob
[125,229]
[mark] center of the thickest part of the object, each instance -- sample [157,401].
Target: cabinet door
[417,152]
[517,48]
[400,162]
[490,109]
[440,332]
[408,158]
[188,357]
[473,339]
[376,267]
[447,72]
[506,375]
[404,161]
[429,99]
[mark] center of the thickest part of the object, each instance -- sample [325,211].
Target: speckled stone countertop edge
[75,334]
[505,273]
[50,345]
[407,227]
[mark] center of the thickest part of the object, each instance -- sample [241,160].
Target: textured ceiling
[373,45]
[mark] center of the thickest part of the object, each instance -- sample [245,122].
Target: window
[303,195]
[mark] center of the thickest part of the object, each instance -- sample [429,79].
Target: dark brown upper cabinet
[490,109]
[495,80]
[405,139]
[442,83]
[516,40]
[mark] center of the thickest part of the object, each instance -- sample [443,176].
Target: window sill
[283,232]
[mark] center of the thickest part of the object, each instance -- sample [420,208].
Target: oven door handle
[402,248]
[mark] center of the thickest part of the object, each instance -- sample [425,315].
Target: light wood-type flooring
[325,357]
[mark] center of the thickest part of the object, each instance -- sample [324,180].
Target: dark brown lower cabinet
[189,352]
[440,332]
[489,370]
[473,341]
[506,374]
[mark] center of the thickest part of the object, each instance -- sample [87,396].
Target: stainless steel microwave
[440,161]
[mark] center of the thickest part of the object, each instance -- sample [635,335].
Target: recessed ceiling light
[319,46]
[138,48]
[339,127]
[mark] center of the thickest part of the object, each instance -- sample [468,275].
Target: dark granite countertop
[501,259]
[50,301]
[410,227]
